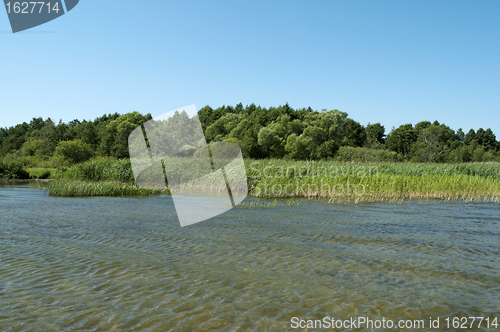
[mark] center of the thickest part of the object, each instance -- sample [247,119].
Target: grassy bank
[335,181]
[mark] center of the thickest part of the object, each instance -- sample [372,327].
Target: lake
[120,264]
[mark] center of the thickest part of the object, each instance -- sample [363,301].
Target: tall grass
[380,188]
[121,170]
[103,188]
[335,181]
[255,168]
[98,170]
[373,181]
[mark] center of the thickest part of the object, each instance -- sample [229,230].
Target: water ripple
[116,264]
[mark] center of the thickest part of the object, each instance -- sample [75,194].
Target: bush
[39,173]
[74,151]
[347,153]
[57,161]
[12,171]
[99,169]
[19,159]
[59,172]
[39,148]
[45,175]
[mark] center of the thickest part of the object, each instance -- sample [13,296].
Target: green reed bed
[381,187]
[256,169]
[97,170]
[103,188]
[371,182]
[335,181]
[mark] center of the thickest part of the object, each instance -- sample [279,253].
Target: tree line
[275,132]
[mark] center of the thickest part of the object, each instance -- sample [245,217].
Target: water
[121,264]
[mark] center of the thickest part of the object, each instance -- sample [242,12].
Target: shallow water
[120,264]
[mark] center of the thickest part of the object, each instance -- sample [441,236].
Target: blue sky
[392,62]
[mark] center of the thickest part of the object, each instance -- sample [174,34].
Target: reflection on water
[99,264]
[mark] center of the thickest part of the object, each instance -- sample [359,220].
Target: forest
[262,133]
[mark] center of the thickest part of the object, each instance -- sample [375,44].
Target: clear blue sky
[392,62]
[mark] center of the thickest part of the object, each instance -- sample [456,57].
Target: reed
[335,181]
[100,169]
[256,169]
[103,188]
[381,187]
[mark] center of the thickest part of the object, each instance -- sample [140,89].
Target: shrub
[19,159]
[40,148]
[12,171]
[57,161]
[99,169]
[40,173]
[74,151]
[347,153]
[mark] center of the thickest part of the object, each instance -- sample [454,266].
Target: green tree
[271,140]
[37,148]
[459,136]
[114,137]
[433,141]
[401,139]
[87,133]
[471,135]
[487,139]
[300,148]
[375,135]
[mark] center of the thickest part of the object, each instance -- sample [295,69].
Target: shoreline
[17,180]
[117,189]
[78,188]
[338,183]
